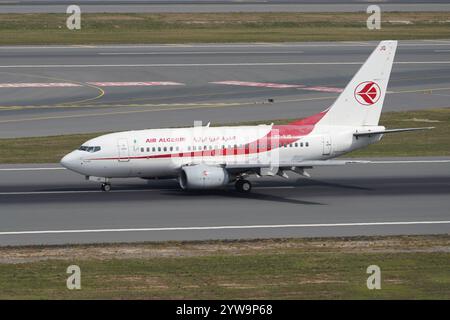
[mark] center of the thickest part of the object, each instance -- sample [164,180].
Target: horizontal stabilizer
[368,133]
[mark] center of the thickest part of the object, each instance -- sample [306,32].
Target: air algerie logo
[367,93]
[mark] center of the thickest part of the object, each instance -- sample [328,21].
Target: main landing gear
[105,187]
[243,186]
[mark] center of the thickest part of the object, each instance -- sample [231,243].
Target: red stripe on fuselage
[279,135]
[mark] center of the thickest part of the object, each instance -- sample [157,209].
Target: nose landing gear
[243,186]
[105,187]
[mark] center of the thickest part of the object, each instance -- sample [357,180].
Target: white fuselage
[161,153]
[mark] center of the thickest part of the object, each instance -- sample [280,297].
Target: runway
[177,6]
[56,206]
[74,89]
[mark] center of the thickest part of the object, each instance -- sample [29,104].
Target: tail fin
[361,101]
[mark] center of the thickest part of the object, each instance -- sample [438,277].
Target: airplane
[204,157]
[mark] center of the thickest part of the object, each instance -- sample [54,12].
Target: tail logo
[367,93]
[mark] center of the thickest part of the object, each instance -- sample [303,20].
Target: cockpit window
[89,149]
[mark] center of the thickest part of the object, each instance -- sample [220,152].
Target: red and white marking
[39,85]
[136,84]
[367,93]
[99,84]
[323,89]
[278,86]
[259,84]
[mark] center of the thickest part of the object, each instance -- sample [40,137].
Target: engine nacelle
[203,176]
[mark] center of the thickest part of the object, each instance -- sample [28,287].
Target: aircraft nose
[70,161]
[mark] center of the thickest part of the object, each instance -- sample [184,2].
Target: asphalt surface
[57,206]
[158,6]
[420,79]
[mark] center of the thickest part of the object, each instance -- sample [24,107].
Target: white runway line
[24,193]
[424,43]
[136,83]
[195,52]
[99,84]
[236,227]
[32,169]
[40,85]
[167,65]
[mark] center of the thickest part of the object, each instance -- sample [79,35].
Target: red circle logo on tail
[367,93]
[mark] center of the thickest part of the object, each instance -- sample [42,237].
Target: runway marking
[406,161]
[232,227]
[31,169]
[282,187]
[196,52]
[168,65]
[178,107]
[259,84]
[191,105]
[99,84]
[39,85]
[278,85]
[423,43]
[136,84]
[100,91]
[323,89]
[25,193]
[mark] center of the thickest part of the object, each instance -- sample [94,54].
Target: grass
[412,267]
[434,142]
[106,28]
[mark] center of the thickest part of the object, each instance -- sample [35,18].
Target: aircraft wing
[287,164]
[299,166]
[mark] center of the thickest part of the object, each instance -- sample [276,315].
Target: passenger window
[307,144]
[177,148]
[171,149]
[165,148]
[301,144]
[148,149]
[153,149]
[296,144]
[159,149]
[142,149]
[290,145]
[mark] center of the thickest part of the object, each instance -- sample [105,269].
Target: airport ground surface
[58,206]
[19,6]
[75,89]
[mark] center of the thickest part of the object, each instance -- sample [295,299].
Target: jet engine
[202,176]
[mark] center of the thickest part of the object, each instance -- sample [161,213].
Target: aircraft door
[124,151]
[326,142]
